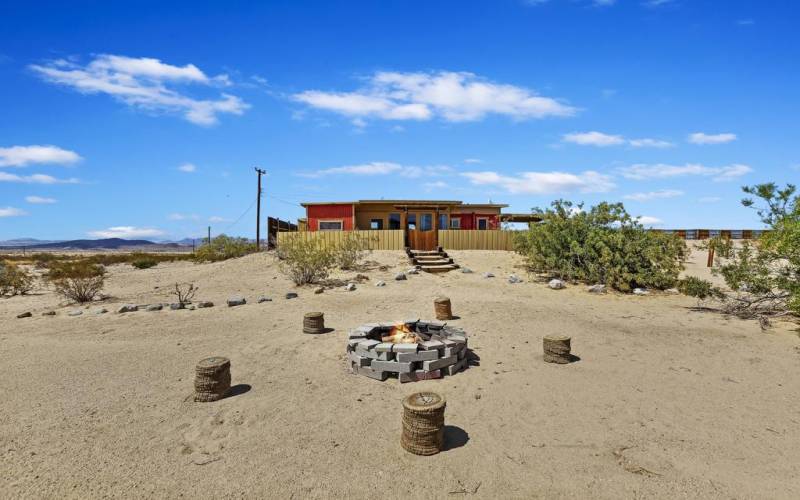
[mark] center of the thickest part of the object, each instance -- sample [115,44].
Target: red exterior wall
[315,213]
[470,220]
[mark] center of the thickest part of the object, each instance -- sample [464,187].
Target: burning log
[441,306]
[557,349]
[401,334]
[423,423]
[212,379]
[313,322]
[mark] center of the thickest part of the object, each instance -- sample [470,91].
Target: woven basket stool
[557,349]
[212,379]
[441,305]
[313,322]
[423,423]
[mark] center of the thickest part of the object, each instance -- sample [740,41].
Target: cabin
[420,219]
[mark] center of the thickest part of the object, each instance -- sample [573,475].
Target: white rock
[128,308]
[596,289]
[466,270]
[236,300]
[350,287]
[401,276]
[488,275]
[380,283]
[513,278]
[557,284]
[640,291]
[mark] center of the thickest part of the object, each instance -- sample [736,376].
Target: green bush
[14,280]
[80,281]
[144,263]
[224,247]
[306,261]
[601,245]
[350,252]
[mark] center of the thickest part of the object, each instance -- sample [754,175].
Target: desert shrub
[224,247]
[352,250]
[601,245]
[15,280]
[80,281]
[144,262]
[184,292]
[306,260]
[763,277]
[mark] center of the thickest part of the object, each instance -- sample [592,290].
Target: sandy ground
[665,402]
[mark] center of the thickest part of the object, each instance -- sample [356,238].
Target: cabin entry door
[420,231]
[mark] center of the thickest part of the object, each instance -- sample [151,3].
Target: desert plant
[601,245]
[352,249]
[15,280]
[224,247]
[185,292]
[144,262]
[80,281]
[306,260]
[762,277]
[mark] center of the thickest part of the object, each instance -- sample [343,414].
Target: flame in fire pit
[401,334]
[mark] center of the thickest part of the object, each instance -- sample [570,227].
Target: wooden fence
[476,239]
[377,240]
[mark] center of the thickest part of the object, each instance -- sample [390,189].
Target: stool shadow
[237,390]
[454,437]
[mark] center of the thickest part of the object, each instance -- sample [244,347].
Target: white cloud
[21,156]
[647,220]
[12,212]
[144,83]
[39,200]
[35,179]
[217,218]
[703,138]
[656,3]
[179,216]
[382,168]
[543,182]
[662,171]
[126,232]
[650,143]
[451,96]
[593,138]
[654,195]
[709,199]
[473,160]
[188,168]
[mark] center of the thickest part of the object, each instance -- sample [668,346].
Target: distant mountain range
[102,244]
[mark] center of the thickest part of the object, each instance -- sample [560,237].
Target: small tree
[350,252]
[224,247]
[80,281]
[15,280]
[185,292]
[306,260]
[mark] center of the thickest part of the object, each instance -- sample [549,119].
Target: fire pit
[412,349]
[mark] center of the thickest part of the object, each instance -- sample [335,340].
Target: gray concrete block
[357,334]
[357,360]
[398,348]
[418,375]
[391,366]
[455,368]
[366,345]
[462,354]
[431,344]
[384,347]
[372,373]
[410,357]
[439,363]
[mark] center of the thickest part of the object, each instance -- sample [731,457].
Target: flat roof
[405,202]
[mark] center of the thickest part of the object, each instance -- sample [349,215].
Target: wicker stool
[423,423]
[313,322]
[441,306]
[557,349]
[212,379]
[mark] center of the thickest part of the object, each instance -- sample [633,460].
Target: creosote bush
[144,263]
[184,292]
[223,248]
[14,280]
[306,260]
[601,245]
[351,251]
[80,281]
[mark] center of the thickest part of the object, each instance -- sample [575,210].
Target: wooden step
[425,258]
[437,262]
[440,268]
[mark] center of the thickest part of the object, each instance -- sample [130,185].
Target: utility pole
[258,209]
[209,235]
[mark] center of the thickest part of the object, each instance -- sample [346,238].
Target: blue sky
[145,119]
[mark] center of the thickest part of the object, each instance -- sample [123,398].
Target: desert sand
[665,402]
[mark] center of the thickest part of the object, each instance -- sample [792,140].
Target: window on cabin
[376,223]
[330,225]
[411,221]
[483,223]
[394,221]
[455,223]
[442,221]
[426,222]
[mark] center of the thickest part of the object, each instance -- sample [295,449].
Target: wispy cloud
[450,96]
[654,195]
[602,140]
[217,218]
[126,232]
[188,168]
[381,168]
[703,138]
[662,171]
[22,156]
[649,221]
[543,182]
[180,216]
[12,212]
[40,200]
[36,179]
[145,83]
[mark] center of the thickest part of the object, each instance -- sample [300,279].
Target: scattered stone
[383,268]
[488,275]
[155,307]
[466,270]
[127,308]
[26,314]
[49,313]
[557,284]
[514,279]
[640,291]
[362,277]
[596,289]
[236,300]
[264,298]
[76,312]
[350,287]
[204,304]
[191,308]
[413,270]
[102,310]
[176,306]
[380,283]
[319,290]
[291,295]
[672,291]
[400,276]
